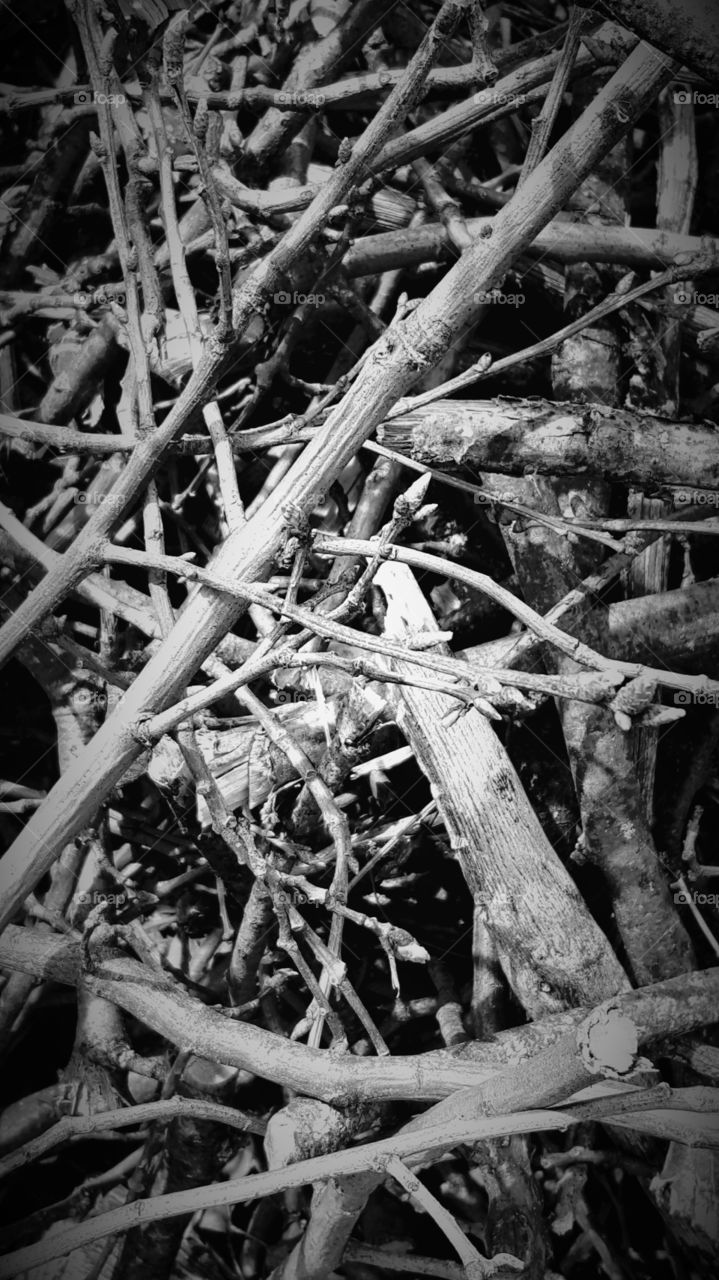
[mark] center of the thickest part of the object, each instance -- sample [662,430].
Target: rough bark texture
[249,550]
[688,31]
[506,859]
[521,436]
[218,928]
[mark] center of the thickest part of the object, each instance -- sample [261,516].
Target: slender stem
[543,124]
[101,1122]
[409,1142]
[446,1222]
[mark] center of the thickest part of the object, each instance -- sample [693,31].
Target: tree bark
[517,437]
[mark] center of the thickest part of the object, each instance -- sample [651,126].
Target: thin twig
[79,1126]
[475,1266]
[543,124]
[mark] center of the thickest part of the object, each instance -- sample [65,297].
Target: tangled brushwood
[359,640]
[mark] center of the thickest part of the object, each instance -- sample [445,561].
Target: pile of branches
[359,628]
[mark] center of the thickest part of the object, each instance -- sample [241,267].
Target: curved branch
[670,1008]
